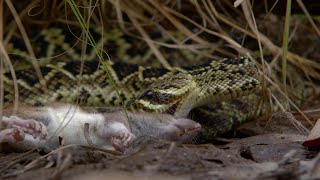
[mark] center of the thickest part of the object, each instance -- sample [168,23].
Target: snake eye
[149,94]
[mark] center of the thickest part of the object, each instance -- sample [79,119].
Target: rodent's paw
[12,135]
[122,141]
[127,138]
[117,144]
[29,126]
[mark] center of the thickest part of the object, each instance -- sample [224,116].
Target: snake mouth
[197,128]
[137,103]
[172,109]
[130,102]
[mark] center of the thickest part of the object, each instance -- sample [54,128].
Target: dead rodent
[115,128]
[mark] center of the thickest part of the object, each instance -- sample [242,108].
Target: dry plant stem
[30,165]
[208,5]
[1,90]
[62,164]
[289,100]
[237,3]
[202,43]
[86,134]
[14,161]
[84,44]
[27,43]
[156,51]
[206,19]
[273,6]
[176,23]
[149,9]
[12,25]
[316,167]
[285,42]
[135,10]
[133,15]
[232,43]
[1,62]
[4,57]
[295,59]
[119,15]
[229,22]
[274,60]
[287,157]
[1,20]
[305,11]
[63,125]
[248,13]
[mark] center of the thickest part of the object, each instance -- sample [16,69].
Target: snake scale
[177,91]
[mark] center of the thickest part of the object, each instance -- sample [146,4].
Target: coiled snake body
[177,91]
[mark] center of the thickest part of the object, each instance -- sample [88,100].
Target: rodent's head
[181,130]
[165,96]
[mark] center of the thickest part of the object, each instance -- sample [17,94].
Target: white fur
[68,122]
[117,127]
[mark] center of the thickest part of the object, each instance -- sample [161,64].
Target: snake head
[165,96]
[179,92]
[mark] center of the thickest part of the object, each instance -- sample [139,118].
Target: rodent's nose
[198,127]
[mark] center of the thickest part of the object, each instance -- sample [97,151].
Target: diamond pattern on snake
[76,77]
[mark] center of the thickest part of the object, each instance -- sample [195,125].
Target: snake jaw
[130,102]
[173,108]
[144,105]
[180,92]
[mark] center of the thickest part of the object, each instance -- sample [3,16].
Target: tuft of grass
[285,43]
[209,28]
[85,28]
[105,66]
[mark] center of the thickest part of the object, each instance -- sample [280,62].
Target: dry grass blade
[13,25]
[34,162]
[87,136]
[276,86]
[305,11]
[285,42]
[1,62]
[7,61]
[14,161]
[176,23]
[248,13]
[173,31]
[206,44]
[64,161]
[295,59]
[145,36]
[27,42]
[250,18]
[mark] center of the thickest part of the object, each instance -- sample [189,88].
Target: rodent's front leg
[12,135]
[16,127]
[120,136]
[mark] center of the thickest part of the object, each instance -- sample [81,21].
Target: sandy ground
[268,156]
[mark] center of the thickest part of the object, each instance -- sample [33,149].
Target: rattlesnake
[177,90]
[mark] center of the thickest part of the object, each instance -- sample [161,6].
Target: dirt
[269,156]
[271,150]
